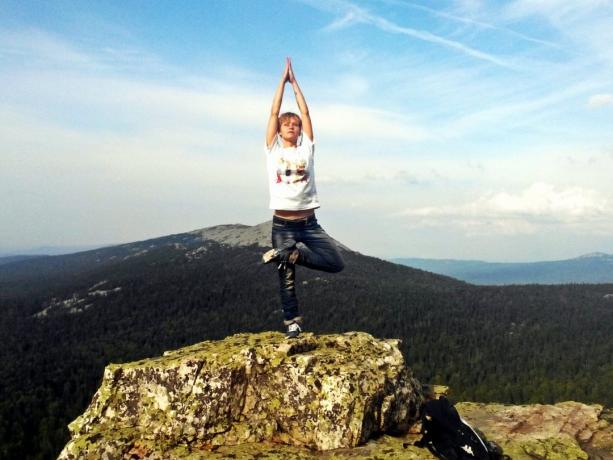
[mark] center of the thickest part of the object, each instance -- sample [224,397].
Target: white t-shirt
[291,175]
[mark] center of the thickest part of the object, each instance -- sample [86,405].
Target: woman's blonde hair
[288,115]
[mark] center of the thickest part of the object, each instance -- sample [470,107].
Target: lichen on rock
[566,430]
[320,392]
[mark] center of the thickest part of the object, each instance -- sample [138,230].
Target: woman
[293,197]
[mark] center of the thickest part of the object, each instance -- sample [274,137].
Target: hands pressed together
[273,122]
[288,72]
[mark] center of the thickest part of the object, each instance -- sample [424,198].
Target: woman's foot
[285,253]
[293,330]
[293,327]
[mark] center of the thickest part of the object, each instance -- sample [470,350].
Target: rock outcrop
[260,396]
[320,392]
[567,430]
[243,235]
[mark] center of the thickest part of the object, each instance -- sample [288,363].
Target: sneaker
[293,331]
[279,254]
[269,256]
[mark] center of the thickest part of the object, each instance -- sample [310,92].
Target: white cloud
[517,112]
[469,7]
[554,9]
[356,15]
[584,23]
[41,46]
[361,179]
[342,122]
[600,100]
[527,211]
[351,17]
[182,105]
[354,85]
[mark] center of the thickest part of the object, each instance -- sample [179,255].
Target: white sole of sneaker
[269,256]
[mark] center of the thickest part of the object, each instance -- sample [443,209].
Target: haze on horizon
[457,129]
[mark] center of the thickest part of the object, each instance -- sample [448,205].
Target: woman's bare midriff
[294,215]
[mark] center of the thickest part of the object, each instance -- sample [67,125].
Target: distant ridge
[242,235]
[17,258]
[48,250]
[596,267]
[593,255]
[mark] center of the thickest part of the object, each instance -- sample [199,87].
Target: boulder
[319,392]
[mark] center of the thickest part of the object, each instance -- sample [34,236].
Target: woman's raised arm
[273,121]
[307,126]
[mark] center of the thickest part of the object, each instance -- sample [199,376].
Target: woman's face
[290,129]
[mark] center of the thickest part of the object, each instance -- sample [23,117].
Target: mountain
[590,268]
[49,250]
[17,258]
[64,318]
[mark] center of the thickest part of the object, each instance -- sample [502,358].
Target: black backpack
[449,437]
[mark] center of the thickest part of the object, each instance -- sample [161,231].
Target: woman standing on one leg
[293,197]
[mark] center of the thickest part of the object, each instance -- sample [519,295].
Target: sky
[459,129]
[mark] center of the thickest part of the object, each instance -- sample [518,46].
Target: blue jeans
[317,252]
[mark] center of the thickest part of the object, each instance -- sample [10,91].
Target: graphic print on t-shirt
[291,172]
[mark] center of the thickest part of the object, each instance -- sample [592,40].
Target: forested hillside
[64,318]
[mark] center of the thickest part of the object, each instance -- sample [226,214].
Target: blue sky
[459,129]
